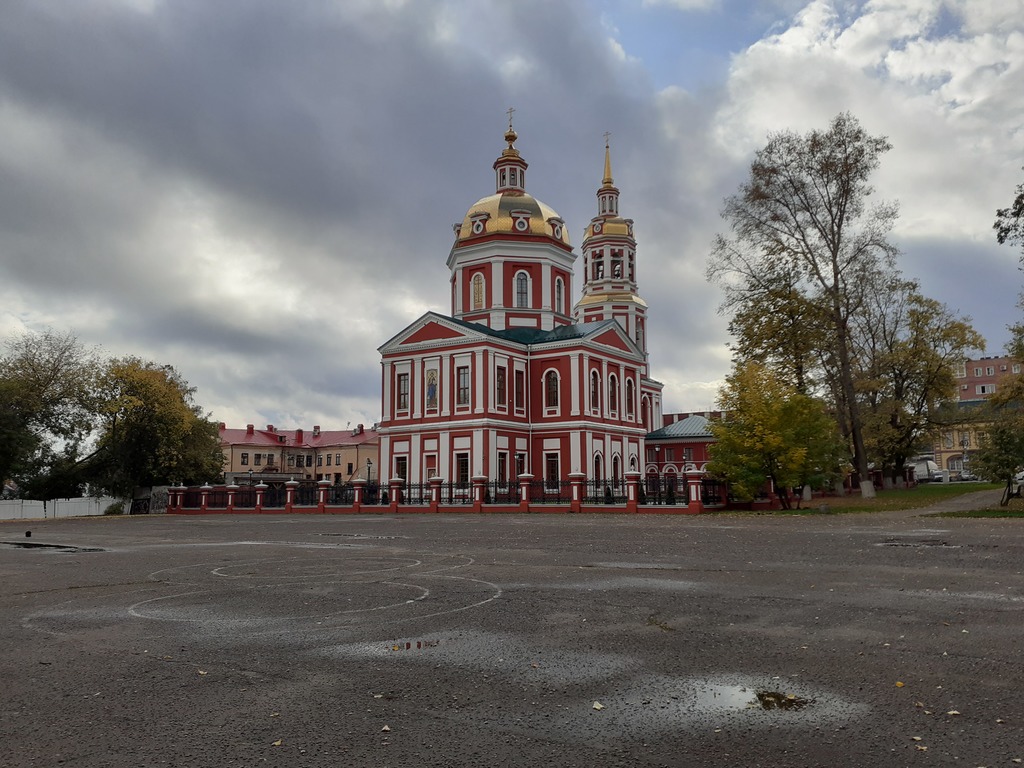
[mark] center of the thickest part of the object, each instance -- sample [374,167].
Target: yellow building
[271,454]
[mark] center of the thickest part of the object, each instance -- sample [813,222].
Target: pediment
[614,338]
[432,331]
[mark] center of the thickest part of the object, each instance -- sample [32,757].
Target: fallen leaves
[598,706]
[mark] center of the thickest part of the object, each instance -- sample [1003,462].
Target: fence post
[204,496]
[321,494]
[576,500]
[524,491]
[358,484]
[632,485]
[694,485]
[261,487]
[289,493]
[395,488]
[479,484]
[435,492]
[232,490]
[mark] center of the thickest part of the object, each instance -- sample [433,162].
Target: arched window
[645,407]
[522,290]
[595,391]
[551,389]
[598,468]
[616,471]
[613,394]
[558,296]
[478,291]
[629,398]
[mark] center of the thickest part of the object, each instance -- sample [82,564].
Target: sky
[261,193]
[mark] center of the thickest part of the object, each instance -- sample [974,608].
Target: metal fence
[604,492]
[500,492]
[550,492]
[666,490]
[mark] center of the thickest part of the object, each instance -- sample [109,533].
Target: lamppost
[965,443]
[250,478]
[369,469]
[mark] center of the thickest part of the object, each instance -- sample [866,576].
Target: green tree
[151,430]
[907,348]
[1002,452]
[772,432]
[46,384]
[804,212]
[1009,223]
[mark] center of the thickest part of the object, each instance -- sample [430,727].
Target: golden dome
[612,227]
[512,213]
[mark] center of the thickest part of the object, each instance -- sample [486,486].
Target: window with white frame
[551,389]
[558,296]
[462,379]
[613,393]
[478,291]
[595,391]
[403,392]
[522,290]
[552,477]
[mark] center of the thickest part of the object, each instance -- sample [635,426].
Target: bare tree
[804,211]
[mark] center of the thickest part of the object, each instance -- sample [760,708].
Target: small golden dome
[611,227]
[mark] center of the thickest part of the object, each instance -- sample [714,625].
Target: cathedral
[514,382]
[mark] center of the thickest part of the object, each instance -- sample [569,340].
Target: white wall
[29,509]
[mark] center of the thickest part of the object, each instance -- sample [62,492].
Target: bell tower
[609,265]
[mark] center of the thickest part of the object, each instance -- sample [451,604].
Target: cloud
[261,193]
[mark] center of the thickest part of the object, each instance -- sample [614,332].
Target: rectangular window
[462,469]
[329,457]
[245,459]
[319,461]
[309,460]
[985,389]
[349,470]
[687,454]
[520,390]
[551,476]
[257,459]
[402,467]
[403,391]
[270,459]
[990,371]
[500,394]
[670,454]
[977,371]
[1016,368]
[462,375]
[502,467]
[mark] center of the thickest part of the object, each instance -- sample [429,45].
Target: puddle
[918,543]
[49,547]
[360,536]
[778,700]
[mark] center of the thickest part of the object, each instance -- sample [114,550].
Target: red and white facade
[512,383]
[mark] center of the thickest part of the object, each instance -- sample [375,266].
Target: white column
[574,383]
[604,389]
[476,466]
[387,411]
[574,453]
[498,283]
[480,395]
[414,467]
[416,385]
[445,395]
